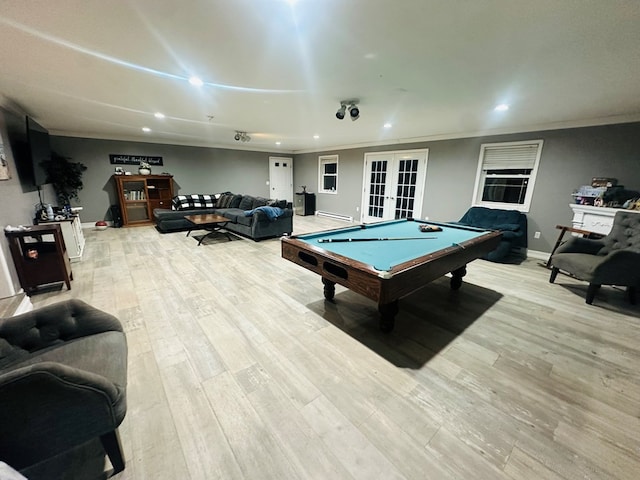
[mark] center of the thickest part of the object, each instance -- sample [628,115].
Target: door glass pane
[407,176]
[377,188]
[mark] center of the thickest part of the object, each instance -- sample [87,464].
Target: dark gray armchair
[63,375]
[612,260]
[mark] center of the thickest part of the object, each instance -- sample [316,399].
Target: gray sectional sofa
[246,216]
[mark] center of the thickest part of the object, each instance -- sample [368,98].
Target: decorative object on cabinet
[139,195]
[144,168]
[122,159]
[40,256]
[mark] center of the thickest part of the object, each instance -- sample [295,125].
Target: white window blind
[506,174]
[516,157]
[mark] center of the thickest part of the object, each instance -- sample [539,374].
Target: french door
[393,185]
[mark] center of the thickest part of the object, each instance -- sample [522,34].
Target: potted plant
[65,177]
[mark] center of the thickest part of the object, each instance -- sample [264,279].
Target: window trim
[322,161]
[480,177]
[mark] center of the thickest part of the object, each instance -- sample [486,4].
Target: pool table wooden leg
[329,288]
[456,277]
[387,315]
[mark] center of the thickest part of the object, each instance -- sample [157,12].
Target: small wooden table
[40,256]
[211,222]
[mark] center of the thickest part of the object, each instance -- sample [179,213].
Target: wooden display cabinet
[138,195]
[40,256]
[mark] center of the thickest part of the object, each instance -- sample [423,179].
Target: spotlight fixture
[354,112]
[241,136]
[352,106]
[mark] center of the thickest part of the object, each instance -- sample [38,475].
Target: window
[506,174]
[328,176]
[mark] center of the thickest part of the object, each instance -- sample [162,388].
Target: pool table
[385,261]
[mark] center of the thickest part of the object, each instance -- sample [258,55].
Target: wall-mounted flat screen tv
[39,149]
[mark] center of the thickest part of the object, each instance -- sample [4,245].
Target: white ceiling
[278,69]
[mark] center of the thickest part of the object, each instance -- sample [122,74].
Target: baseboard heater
[337,216]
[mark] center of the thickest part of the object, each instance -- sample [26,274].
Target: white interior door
[393,185]
[281,178]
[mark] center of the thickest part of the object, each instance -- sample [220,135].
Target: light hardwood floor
[239,369]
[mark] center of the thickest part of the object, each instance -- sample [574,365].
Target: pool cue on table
[339,240]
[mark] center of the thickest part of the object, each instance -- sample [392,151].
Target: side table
[40,256]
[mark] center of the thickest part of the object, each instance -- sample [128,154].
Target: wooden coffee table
[210,222]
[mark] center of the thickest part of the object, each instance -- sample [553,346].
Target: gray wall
[18,199]
[194,170]
[570,158]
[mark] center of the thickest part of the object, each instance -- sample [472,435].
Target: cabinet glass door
[135,201]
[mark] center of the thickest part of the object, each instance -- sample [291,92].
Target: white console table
[594,219]
[73,236]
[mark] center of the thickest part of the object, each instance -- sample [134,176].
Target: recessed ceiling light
[196,82]
[278,143]
[502,107]
[158,115]
[387,125]
[146,129]
[316,137]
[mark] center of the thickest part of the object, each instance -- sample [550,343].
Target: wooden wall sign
[119,159]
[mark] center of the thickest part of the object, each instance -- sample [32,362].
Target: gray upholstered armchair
[612,260]
[63,374]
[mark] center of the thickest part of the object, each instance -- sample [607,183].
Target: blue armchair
[512,224]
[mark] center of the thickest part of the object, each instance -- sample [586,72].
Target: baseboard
[25,306]
[538,255]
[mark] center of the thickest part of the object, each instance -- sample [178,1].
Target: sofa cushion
[259,202]
[235,201]
[246,203]
[185,202]
[231,213]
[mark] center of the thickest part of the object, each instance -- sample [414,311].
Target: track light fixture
[241,137]
[352,106]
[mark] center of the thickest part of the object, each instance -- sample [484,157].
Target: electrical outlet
[536,235]
[357,209]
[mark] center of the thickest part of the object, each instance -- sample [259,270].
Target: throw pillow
[225,200]
[235,201]
[259,202]
[246,203]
